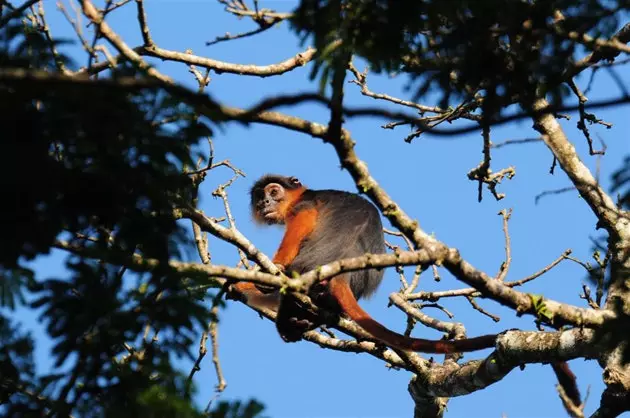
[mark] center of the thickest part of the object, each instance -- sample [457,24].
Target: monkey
[322,226]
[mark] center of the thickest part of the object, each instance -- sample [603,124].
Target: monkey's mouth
[269,214]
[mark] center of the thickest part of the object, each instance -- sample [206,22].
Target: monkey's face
[272,196]
[271,204]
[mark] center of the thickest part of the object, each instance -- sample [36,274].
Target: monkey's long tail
[341,291]
[567,380]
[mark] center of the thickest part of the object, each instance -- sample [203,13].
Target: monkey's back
[347,226]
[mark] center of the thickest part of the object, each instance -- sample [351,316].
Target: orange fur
[340,290]
[291,197]
[244,287]
[298,227]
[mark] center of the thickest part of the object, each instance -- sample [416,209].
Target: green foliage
[12,284]
[96,165]
[503,49]
[16,359]
[95,160]
[542,312]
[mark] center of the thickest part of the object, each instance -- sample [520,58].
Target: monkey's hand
[268,289]
[281,267]
[237,291]
[263,288]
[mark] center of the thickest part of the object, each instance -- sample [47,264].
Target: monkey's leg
[294,319]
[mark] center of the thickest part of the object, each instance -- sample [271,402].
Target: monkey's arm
[250,294]
[298,227]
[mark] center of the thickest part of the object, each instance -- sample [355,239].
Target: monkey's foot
[294,328]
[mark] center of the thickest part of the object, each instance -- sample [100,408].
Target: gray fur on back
[363,233]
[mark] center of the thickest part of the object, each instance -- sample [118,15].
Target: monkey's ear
[294,181]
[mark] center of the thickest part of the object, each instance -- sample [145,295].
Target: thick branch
[602,51]
[514,348]
[552,134]
[141,264]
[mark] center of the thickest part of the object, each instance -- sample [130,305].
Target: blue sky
[427,178]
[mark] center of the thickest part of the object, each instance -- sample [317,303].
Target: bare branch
[260,13]
[505,266]
[97,18]
[515,142]
[475,293]
[552,192]
[221,192]
[232,236]
[144,27]
[452,328]
[477,307]
[601,52]
[361,81]
[16,12]
[585,118]
[514,348]
[219,67]
[601,204]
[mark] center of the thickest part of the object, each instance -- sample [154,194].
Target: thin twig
[586,117]
[587,297]
[16,12]
[505,266]
[76,25]
[45,29]
[476,306]
[221,192]
[361,81]
[433,296]
[553,192]
[515,142]
[399,234]
[144,27]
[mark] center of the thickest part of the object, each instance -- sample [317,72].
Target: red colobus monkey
[322,226]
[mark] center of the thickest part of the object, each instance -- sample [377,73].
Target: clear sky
[427,178]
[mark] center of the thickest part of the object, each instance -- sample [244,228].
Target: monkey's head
[271,197]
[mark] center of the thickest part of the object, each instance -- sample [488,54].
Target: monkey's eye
[273,192]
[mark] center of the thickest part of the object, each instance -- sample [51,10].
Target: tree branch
[554,137]
[219,67]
